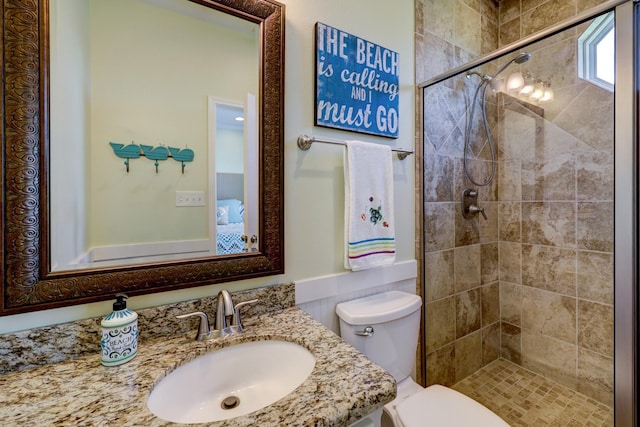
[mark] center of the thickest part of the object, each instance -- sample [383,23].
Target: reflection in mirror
[141,74]
[233,137]
[53,136]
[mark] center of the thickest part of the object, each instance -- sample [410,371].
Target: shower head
[520,59]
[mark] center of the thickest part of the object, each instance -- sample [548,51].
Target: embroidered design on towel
[375,215]
[382,245]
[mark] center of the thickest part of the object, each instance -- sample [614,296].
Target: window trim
[587,45]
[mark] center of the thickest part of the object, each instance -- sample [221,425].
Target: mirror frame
[27,281]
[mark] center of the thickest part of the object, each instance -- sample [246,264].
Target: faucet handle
[236,321]
[204,330]
[475,209]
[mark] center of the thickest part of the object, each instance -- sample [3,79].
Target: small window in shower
[596,52]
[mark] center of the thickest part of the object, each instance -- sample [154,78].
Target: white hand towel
[369,227]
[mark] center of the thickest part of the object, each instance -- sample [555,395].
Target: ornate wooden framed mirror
[29,282]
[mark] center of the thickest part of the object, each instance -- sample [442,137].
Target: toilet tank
[394,317]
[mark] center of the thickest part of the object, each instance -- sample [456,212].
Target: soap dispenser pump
[119,341]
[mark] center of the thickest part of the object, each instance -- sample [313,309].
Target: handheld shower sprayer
[520,59]
[484,83]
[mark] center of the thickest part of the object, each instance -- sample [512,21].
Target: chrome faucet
[225,308]
[221,327]
[204,331]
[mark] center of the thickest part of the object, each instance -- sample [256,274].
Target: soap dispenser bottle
[119,341]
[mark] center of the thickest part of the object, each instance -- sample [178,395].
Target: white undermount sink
[231,382]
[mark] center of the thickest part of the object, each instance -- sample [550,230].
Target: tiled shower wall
[555,215]
[533,283]
[462,322]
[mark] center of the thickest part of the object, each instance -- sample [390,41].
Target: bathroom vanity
[343,387]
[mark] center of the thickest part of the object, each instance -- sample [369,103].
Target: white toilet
[385,328]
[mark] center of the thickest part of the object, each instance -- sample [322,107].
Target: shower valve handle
[475,209]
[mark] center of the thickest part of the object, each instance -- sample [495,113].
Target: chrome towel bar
[305,141]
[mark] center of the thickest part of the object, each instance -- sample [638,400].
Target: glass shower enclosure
[529,195]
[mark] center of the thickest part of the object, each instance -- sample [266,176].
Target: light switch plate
[190,198]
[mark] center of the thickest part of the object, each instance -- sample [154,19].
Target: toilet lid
[438,406]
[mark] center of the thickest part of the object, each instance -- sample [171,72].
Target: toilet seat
[439,406]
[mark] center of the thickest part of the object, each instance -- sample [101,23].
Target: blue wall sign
[356,84]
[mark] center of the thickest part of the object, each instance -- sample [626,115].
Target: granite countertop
[343,387]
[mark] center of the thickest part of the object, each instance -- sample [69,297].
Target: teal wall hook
[155,153]
[131,151]
[134,151]
[182,156]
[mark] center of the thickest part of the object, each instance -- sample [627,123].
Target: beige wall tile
[440,323]
[488,228]
[549,223]
[556,62]
[595,376]
[595,327]
[546,14]
[527,5]
[509,9]
[467,28]
[590,116]
[511,303]
[468,355]
[583,5]
[509,31]
[549,179]
[419,16]
[490,304]
[509,221]
[594,172]
[441,366]
[549,268]
[595,226]
[490,343]
[489,263]
[439,121]
[549,313]
[467,229]
[595,276]
[466,267]
[511,337]
[439,18]
[434,56]
[509,181]
[439,226]
[473,4]
[438,178]
[468,312]
[490,35]
[510,262]
[439,275]
[551,357]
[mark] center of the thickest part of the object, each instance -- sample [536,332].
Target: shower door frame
[626,215]
[627,187]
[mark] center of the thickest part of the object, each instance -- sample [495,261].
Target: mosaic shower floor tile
[525,399]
